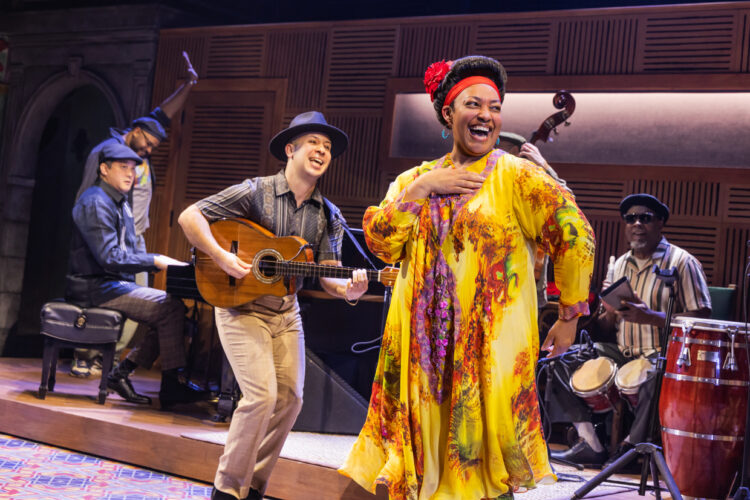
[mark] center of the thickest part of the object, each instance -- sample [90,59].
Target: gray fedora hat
[311,121]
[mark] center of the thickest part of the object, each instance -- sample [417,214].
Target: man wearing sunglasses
[144,136]
[636,322]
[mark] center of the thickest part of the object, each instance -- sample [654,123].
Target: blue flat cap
[114,150]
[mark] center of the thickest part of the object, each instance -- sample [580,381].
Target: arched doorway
[79,122]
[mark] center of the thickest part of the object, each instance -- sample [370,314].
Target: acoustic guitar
[277,263]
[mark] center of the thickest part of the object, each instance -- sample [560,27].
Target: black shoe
[174,392]
[254,494]
[220,495]
[631,467]
[581,453]
[122,386]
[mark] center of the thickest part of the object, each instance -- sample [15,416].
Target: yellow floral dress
[454,413]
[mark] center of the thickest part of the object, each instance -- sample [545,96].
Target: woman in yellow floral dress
[453,413]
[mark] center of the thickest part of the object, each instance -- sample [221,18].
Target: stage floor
[148,437]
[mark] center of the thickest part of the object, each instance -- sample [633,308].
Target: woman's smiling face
[475,120]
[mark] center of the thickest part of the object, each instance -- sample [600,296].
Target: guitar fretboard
[292,268]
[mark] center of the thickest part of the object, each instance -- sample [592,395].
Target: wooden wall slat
[523,48]
[701,240]
[360,62]
[300,57]
[744,42]
[235,56]
[218,159]
[596,46]
[687,43]
[592,196]
[683,197]
[354,174]
[420,46]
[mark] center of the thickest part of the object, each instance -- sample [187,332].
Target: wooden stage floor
[147,437]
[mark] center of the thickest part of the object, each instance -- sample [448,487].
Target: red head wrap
[465,83]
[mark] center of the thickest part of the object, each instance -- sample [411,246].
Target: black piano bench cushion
[81,325]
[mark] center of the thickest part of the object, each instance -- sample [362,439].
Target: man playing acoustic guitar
[263,339]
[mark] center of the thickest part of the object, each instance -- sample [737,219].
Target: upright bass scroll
[562,100]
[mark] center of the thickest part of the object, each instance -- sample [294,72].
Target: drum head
[633,373]
[593,374]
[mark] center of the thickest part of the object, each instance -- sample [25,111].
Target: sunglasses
[643,218]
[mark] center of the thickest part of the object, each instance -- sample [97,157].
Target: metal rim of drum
[602,389]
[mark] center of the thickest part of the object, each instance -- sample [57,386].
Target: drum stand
[653,459]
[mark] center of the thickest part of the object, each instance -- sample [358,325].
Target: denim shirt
[104,257]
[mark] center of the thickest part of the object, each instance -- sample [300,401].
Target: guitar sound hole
[267,266]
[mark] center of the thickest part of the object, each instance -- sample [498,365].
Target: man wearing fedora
[636,322]
[263,340]
[145,135]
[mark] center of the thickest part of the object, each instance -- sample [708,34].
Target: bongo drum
[703,404]
[593,381]
[630,377]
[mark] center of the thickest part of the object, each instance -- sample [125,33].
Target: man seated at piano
[103,261]
[263,339]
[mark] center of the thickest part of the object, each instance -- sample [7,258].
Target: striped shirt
[691,292]
[270,202]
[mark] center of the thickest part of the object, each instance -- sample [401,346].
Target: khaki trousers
[267,353]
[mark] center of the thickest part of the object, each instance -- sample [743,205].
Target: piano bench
[65,324]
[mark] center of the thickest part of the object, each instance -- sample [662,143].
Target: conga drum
[703,403]
[630,377]
[593,381]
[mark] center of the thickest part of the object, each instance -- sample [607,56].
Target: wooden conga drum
[703,403]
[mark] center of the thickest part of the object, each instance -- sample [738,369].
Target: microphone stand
[653,459]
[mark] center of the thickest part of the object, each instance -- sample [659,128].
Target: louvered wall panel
[738,203]
[523,48]
[353,214]
[354,174]
[683,197]
[735,257]
[609,241]
[598,195]
[235,55]
[225,148]
[420,46]
[172,68]
[744,38]
[300,57]
[360,63]
[596,46]
[702,241]
[689,43]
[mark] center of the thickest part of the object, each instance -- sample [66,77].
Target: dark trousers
[563,405]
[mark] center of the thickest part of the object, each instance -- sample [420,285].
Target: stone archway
[37,122]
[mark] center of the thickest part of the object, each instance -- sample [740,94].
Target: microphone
[668,276]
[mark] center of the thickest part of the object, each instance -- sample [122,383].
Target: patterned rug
[31,470]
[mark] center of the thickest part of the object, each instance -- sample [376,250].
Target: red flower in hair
[434,75]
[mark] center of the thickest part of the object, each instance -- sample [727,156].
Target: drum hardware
[684,358]
[710,357]
[731,362]
[653,459]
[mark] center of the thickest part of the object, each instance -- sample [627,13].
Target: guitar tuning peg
[555,131]
[567,123]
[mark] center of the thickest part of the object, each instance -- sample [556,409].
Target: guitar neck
[310,270]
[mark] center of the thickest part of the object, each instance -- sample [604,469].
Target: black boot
[119,382]
[173,391]
[220,495]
